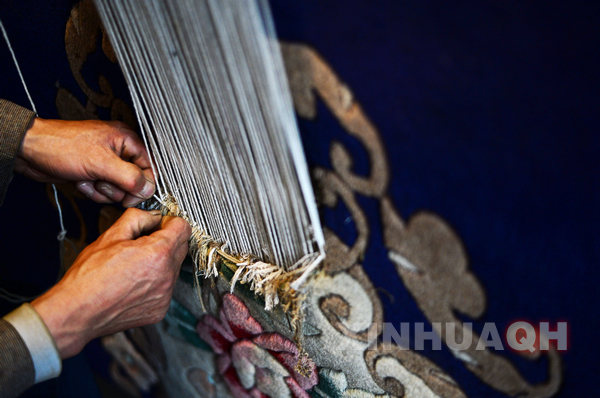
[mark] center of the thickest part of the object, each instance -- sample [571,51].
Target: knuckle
[161,254]
[161,311]
[185,249]
[129,185]
[157,317]
[165,288]
[120,124]
[187,228]
[164,250]
[118,196]
[136,181]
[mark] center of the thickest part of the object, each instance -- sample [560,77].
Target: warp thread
[265,279]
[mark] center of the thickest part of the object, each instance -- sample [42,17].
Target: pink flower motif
[254,363]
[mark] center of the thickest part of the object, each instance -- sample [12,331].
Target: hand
[106,160]
[123,280]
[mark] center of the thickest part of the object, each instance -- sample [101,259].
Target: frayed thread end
[277,286]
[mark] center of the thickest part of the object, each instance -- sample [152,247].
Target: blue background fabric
[490,116]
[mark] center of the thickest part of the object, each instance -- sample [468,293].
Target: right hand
[123,280]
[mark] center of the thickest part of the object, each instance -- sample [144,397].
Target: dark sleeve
[14,121]
[17,372]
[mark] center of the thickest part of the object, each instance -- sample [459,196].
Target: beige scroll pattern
[429,257]
[82,33]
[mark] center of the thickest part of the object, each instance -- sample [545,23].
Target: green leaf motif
[181,323]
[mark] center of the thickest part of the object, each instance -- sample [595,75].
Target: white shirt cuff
[39,341]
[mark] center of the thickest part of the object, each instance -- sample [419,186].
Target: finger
[177,257]
[175,230]
[180,254]
[134,150]
[134,223]
[177,261]
[88,190]
[149,173]
[114,193]
[131,148]
[128,177]
[132,200]
[179,227]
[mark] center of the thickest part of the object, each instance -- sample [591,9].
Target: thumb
[133,224]
[128,177]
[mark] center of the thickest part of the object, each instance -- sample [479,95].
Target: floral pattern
[255,363]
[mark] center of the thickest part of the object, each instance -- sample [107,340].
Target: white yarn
[12,53]
[209,87]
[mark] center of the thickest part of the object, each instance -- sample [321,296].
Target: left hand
[106,160]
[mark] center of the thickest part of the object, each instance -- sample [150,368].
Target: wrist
[39,341]
[30,139]
[63,320]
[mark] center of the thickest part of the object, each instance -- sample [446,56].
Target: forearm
[14,121]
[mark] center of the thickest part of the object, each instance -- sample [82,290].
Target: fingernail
[106,190]
[86,189]
[156,212]
[148,189]
[132,201]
